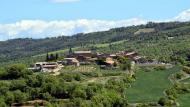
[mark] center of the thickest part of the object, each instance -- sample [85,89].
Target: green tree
[4,88]
[18,85]
[70,51]
[2,102]
[47,57]
[16,71]
[78,92]
[9,98]
[19,96]
[46,96]
[56,56]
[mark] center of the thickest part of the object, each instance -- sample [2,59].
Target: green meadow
[149,85]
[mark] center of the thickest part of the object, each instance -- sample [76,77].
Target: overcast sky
[48,18]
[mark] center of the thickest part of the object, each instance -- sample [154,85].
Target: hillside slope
[23,48]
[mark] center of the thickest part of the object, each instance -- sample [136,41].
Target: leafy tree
[109,99]
[46,96]
[56,56]
[70,51]
[125,63]
[78,92]
[18,85]
[16,71]
[19,96]
[9,98]
[2,102]
[47,57]
[4,88]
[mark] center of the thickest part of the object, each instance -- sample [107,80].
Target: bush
[46,96]
[9,98]
[113,73]
[181,88]
[78,92]
[116,84]
[69,77]
[16,71]
[147,69]
[78,77]
[186,69]
[92,74]
[76,102]
[171,92]
[179,75]
[19,96]
[109,99]
[4,87]
[92,89]
[162,101]
[18,85]
[2,102]
[160,67]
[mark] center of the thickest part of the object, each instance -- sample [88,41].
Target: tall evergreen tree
[47,57]
[70,50]
[52,57]
[56,56]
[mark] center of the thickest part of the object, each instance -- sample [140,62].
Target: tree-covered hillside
[149,35]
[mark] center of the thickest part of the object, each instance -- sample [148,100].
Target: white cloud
[183,16]
[41,29]
[64,1]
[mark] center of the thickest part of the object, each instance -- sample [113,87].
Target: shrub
[78,77]
[19,96]
[9,98]
[78,92]
[179,75]
[67,77]
[47,96]
[186,69]
[160,67]
[171,92]
[114,73]
[92,74]
[18,85]
[162,101]
[109,99]
[16,71]
[2,102]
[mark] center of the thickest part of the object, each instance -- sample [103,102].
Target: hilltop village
[103,60]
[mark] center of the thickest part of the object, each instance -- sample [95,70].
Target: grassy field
[146,30]
[149,86]
[184,100]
